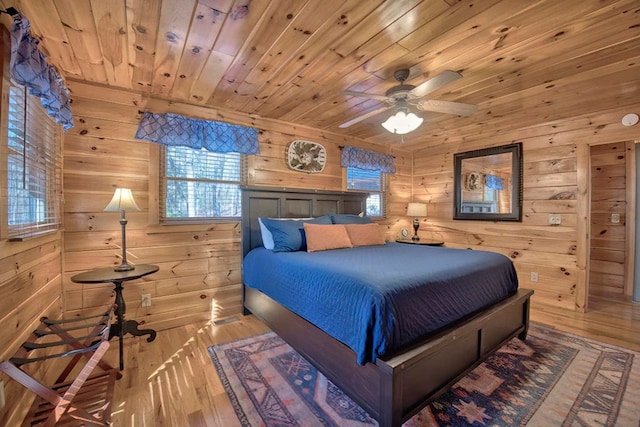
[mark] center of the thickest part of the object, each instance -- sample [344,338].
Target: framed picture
[306,156]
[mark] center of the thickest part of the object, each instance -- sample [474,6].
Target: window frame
[156,193]
[52,181]
[382,192]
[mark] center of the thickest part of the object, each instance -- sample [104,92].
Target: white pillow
[267,237]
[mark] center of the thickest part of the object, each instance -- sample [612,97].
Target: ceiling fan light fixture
[401,122]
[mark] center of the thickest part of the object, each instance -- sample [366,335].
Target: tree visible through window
[371,181]
[199,184]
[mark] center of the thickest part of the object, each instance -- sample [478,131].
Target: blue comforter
[379,299]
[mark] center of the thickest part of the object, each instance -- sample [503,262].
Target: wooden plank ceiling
[523,62]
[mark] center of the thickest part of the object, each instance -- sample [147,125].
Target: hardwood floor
[610,321]
[172,381]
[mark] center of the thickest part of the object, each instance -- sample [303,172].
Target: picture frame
[488,184]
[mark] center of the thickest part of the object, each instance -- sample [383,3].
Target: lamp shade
[122,201]
[417,209]
[402,123]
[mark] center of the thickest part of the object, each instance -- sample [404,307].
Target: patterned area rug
[551,379]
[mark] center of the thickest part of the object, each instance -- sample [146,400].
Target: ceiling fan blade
[447,107]
[442,79]
[364,116]
[366,95]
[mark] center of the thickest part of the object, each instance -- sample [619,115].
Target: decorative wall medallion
[474,181]
[305,156]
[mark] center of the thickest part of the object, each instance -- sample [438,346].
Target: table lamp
[416,210]
[123,201]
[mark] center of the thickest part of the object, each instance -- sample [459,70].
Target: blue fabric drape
[217,137]
[494,182]
[29,67]
[367,159]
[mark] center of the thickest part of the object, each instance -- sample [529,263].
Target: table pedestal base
[123,327]
[131,327]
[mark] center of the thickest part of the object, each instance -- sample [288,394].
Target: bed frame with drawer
[392,389]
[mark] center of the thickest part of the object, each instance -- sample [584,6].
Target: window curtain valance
[494,182]
[217,137]
[367,159]
[29,67]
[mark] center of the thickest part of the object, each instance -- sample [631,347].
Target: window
[491,196]
[199,184]
[372,181]
[33,159]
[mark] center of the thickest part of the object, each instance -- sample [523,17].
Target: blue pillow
[350,219]
[288,235]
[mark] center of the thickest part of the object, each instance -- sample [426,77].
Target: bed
[396,385]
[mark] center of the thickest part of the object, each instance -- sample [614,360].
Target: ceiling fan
[403,95]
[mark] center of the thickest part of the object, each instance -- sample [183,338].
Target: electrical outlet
[555,219]
[615,218]
[534,276]
[2,394]
[146,300]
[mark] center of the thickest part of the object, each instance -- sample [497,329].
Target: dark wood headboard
[292,203]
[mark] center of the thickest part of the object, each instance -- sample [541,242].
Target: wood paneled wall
[31,287]
[199,276]
[608,240]
[555,181]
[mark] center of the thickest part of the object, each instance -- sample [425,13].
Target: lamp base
[124,267]
[416,225]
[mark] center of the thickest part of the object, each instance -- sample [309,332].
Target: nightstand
[425,242]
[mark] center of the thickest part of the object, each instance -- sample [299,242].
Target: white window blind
[198,184]
[33,167]
[372,181]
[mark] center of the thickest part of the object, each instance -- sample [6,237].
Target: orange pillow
[321,237]
[365,234]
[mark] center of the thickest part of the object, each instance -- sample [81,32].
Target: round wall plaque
[305,156]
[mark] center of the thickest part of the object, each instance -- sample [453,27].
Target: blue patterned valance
[367,159]
[29,68]
[494,182]
[217,137]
